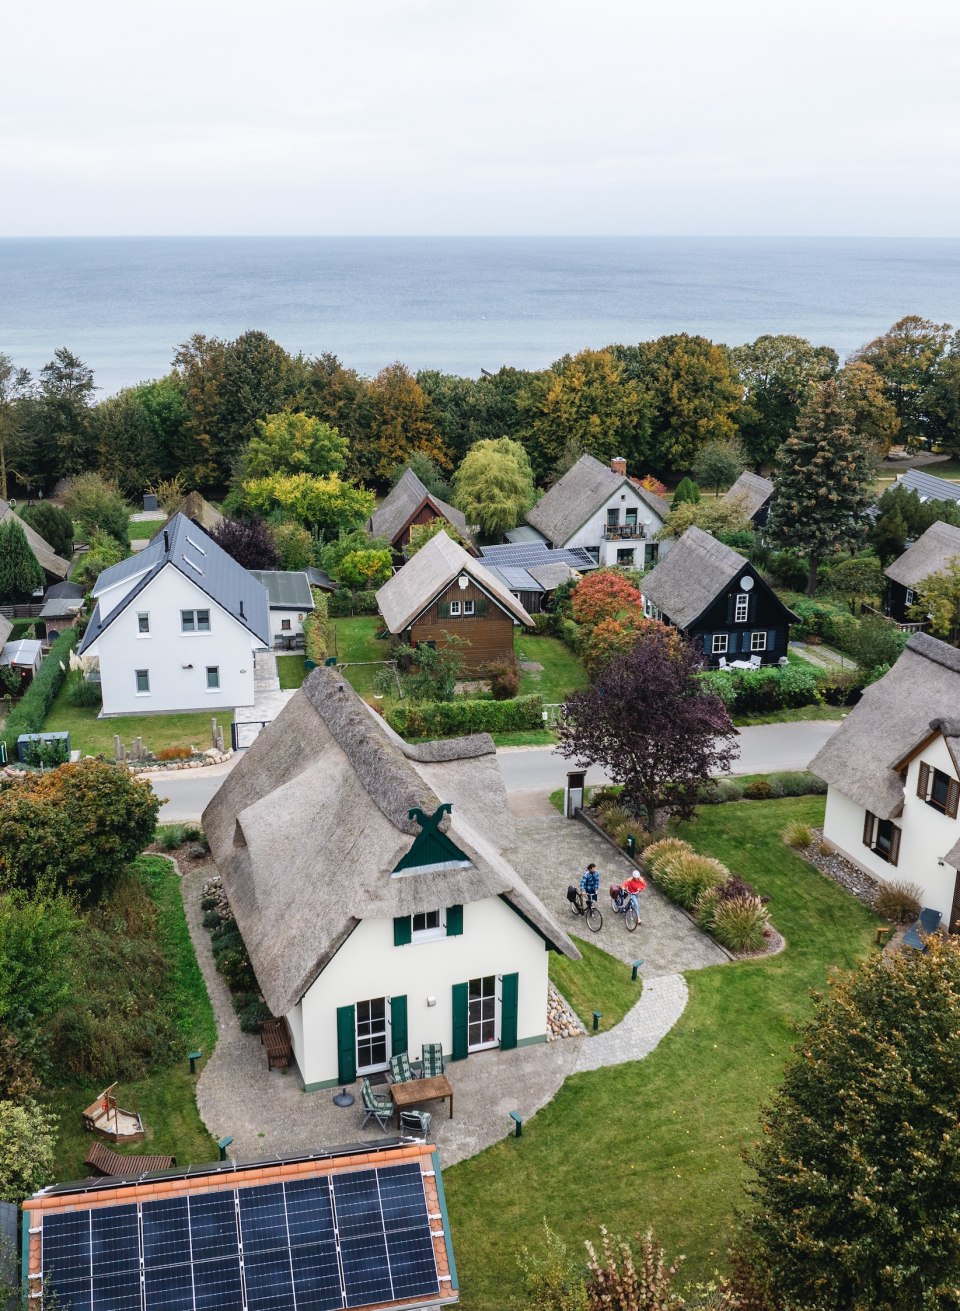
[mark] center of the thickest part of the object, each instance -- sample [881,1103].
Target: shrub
[30,712]
[721,684]
[788,569]
[28,1149]
[211,918]
[174,753]
[365,603]
[841,687]
[708,901]
[631,828]
[797,834]
[97,505]
[685,876]
[599,796]
[209,903]
[758,789]
[451,718]
[899,902]
[251,1011]
[798,783]
[504,679]
[81,691]
[740,923]
[341,603]
[570,635]
[316,640]
[659,852]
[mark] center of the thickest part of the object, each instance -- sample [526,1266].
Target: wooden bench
[275,1037]
[103,1160]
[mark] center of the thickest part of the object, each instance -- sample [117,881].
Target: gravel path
[662,1003]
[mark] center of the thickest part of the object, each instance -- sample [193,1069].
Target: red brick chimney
[619,465]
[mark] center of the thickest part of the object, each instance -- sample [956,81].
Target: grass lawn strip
[354,642]
[291,671]
[658,1142]
[562,672]
[93,737]
[166,1099]
[598,982]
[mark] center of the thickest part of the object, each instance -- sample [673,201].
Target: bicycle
[629,912]
[585,904]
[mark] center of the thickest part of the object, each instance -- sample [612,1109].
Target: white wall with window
[627,510]
[285,623]
[437,975]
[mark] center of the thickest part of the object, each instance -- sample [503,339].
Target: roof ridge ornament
[432,849]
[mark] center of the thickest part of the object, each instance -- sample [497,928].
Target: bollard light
[597,1017]
[515,1116]
[636,969]
[223,1144]
[193,1058]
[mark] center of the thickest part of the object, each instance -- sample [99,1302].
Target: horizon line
[472,236]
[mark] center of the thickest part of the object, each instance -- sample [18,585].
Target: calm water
[456,304]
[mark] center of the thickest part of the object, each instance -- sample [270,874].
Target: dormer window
[938,790]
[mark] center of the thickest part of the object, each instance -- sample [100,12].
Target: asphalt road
[538,770]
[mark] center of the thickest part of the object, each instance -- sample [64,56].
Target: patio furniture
[755,662]
[275,1036]
[421,1090]
[417,1122]
[723,664]
[400,1071]
[103,1160]
[431,1063]
[926,925]
[380,1108]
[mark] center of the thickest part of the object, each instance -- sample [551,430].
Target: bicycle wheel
[594,919]
[630,919]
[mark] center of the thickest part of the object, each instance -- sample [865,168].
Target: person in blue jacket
[589,884]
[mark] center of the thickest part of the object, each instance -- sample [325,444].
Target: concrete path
[642,1029]
[268,699]
[824,657]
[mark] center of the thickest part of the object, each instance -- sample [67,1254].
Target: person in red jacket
[634,885]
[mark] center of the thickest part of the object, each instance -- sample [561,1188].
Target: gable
[764,607]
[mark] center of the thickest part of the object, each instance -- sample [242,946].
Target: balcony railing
[626,532]
[904,628]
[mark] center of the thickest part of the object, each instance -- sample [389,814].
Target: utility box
[573,793]
[150,501]
[26,740]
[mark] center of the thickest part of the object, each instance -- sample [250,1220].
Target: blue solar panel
[213,1226]
[316,1277]
[168,1287]
[166,1232]
[216,1286]
[263,1218]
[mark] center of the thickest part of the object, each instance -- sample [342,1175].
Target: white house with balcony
[176,627]
[598,507]
[893,775]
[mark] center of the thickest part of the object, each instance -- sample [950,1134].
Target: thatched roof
[403,501]
[6,628]
[51,563]
[579,494]
[930,554]
[199,511]
[692,576]
[308,829]
[919,696]
[426,574]
[750,492]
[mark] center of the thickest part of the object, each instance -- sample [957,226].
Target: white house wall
[591,535]
[277,630]
[926,835]
[495,940]
[165,650]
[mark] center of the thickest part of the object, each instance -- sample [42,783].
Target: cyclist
[589,885]
[634,885]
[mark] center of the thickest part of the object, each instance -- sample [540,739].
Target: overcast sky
[822,117]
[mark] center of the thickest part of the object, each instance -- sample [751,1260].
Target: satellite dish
[746,582]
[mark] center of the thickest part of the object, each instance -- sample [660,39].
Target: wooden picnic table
[415,1091]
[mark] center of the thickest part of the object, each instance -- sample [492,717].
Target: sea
[457,304]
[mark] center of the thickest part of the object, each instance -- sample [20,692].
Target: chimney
[242,615]
[166,541]
[619,465]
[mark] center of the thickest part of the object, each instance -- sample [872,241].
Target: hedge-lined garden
[450,718]
[31,710]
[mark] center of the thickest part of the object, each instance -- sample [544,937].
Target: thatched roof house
[752,494]
[52,564]
[932,553]
[409,503]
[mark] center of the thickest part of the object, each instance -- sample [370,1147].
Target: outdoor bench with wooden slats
[102,1160]
[275,1036]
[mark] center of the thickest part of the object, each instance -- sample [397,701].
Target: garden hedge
[315,628]
[450,718]
[31,710]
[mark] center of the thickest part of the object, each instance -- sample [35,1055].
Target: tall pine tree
[824,481]
[20,574]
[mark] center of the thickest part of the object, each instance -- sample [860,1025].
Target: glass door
[372,1045]
[482,1013]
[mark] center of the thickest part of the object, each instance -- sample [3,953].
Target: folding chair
[400,1071]
[415,1122]
[379,1108]
[432,1060]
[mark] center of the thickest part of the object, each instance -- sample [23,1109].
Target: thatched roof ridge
[403,501]
[930,554]
[689,579]
[52,564]
[750,491]
[894,717]
[309,826]
[6,628]
[199,511]
[573,499]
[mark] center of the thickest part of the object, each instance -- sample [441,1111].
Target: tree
[572,450]
[53,524]
[97,505]
[333,553]
[420,534]
[249,542]
[464,411]
[857,1175]
[20,574]
[906,358]
[365,569]
[888,536]
[717,517]
[432,672]
[399,425]
[902,514]
[775,371]
[720,464]
[35,980]
[65,393]
[294,544]
[294,443]
[103,552]
[824,481]
[855,581]
[648,722]
[494,485]
[199,370]
[127,450]
[612,636]
[687,491]
[326,505]
[73,829]
[28,1144]
[427,471]
[604,594]
[871,414]
[14,386]
[943,399]
[939,598]
[875,643]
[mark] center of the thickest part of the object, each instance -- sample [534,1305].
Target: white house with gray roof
[176,627]
[597,507]
[893,775]
[290,600]
[372,882]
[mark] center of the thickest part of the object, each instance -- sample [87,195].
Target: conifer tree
[823,484]
[687,491]
[20,574]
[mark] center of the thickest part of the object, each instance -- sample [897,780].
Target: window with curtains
[882,836]
[938,790]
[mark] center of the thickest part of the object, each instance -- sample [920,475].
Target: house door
[955,909]
[482,1013]
[373,1047]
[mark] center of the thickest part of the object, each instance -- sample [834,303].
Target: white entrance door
[372,1039]
[482,1013]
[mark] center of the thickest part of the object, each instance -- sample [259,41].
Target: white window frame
[469,608]
[431,931]
[213,669]
[194,629]
[454,609]
[136,680]
[741,608]
[911,597]
[497,1015]
[143,616]
[716,649]
[385,1033]
[758,640]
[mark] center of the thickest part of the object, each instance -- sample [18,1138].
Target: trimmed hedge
[451,718]
[32,709]
[756,691]
[315,628]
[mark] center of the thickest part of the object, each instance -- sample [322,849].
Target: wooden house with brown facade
[443,590]
[410,503]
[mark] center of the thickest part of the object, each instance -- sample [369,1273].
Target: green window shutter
[454,921]
[509,989]
[461,1001]
[402,930]
[443,609]
[346,1044]
[481,606]
[398,1025]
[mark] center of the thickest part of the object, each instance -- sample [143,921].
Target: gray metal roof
[525,532]
[929,488]
[524,554]
[287,589]
[191,551]
[320,578]
[61,608]
[22,652]
[60,590]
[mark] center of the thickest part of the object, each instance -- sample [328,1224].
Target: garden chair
[723,664]
[927,924]
[755,662]
[400,1071]
[415,1122]
[381,1109]
[432,1060]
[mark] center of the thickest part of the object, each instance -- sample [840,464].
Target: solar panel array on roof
[524,554]
[355,1239]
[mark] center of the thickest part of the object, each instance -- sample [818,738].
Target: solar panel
[521,555]
[320,1244]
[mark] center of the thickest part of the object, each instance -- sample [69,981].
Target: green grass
[598,982]
[291,671]
[658,1142]
[166,1098]
[562,672]
[92,736]
[528,737]
[356,640]
[792,715]
[145,528]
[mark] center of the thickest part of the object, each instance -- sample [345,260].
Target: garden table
[421,1090]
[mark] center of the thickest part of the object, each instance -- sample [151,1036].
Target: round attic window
[746,582]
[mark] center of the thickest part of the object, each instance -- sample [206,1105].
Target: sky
[625,117]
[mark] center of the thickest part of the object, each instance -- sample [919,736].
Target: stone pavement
[268,700]
[661,1004]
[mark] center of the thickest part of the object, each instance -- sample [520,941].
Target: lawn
[145,528]
[165,1099]
[658,1143]
[355,643]
[598,982]
[562,672]
[291,671]
[92,736]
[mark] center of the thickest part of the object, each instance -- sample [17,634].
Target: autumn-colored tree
[651,484]
[294,443]
[871,414]
[249,542]
[325,504]
[938,599]
[906,358]
[20,574]
[399,424]
[420,534]
[605,594]
[610,637]
[337,395]
[494,485]
[776,370]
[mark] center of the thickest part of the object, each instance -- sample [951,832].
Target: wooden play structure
[105,1117]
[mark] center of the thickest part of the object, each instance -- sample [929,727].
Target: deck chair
[432,1060]
[400,1071]
[755,662]
[381,1109]
[927,924]
[415,1122]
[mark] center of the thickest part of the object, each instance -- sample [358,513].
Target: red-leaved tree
[604,594]
[650,724]
[251,544]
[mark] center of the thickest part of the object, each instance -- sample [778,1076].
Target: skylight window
[186,560]
[196,546]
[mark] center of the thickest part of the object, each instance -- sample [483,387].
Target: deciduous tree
[325,504]
[20,574]
[420,534]
[871,415]
[249,542]
[97,505]
[426,470]
[604,594]
[365,569]
[776,370]
[906,358]
[939,598]
[720,463]
[494,485]
[28,1144]
[294,544]
[856,581]
[294,443]
[712,516]
[399,424]
[15,384]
